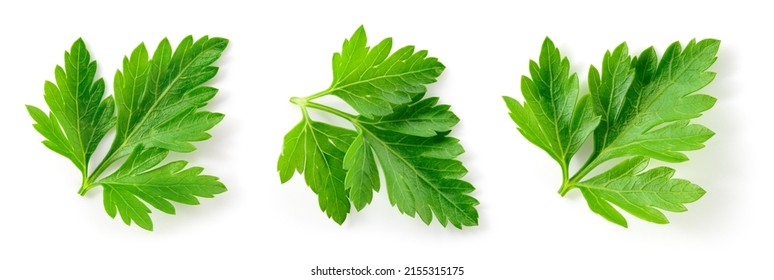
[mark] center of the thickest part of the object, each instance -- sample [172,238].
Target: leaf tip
[222,41]
[621,50]
[547,40]
[78,44]
[339,219]
[700,192]
[148,227]
[33,110]
[360,32]
[217,117]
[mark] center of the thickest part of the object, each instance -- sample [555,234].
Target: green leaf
[157,102]
[638,193]
[318,149]
[372,80]
[423,177]
[642,109]
[157,99]
[553,115]
[424,118]
[79,116]
[608,91]
[135,182]
[363,178]
[655,117]
[398,129]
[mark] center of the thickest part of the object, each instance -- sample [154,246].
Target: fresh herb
[406,132]
[639,108]
[158,103]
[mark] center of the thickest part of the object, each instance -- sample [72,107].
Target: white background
[260,229]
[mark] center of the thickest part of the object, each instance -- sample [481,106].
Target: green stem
[85,187]
[592,163]
[102,166]
[109,159]
[305,102]
[84,182]
[302,101]
[350,117]
[88,183]
[318,95]
[566,185]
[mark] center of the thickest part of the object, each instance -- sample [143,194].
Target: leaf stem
[87,182]
[85,187]
[592,163]
[305,102]
[302,101]
[568,184]
[350,117]
[318,95]
[106,162]
[84,182]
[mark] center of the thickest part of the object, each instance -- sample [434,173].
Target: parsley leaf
[639,108]
[155,110]
[371,80]
[406,132]
[79,117]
